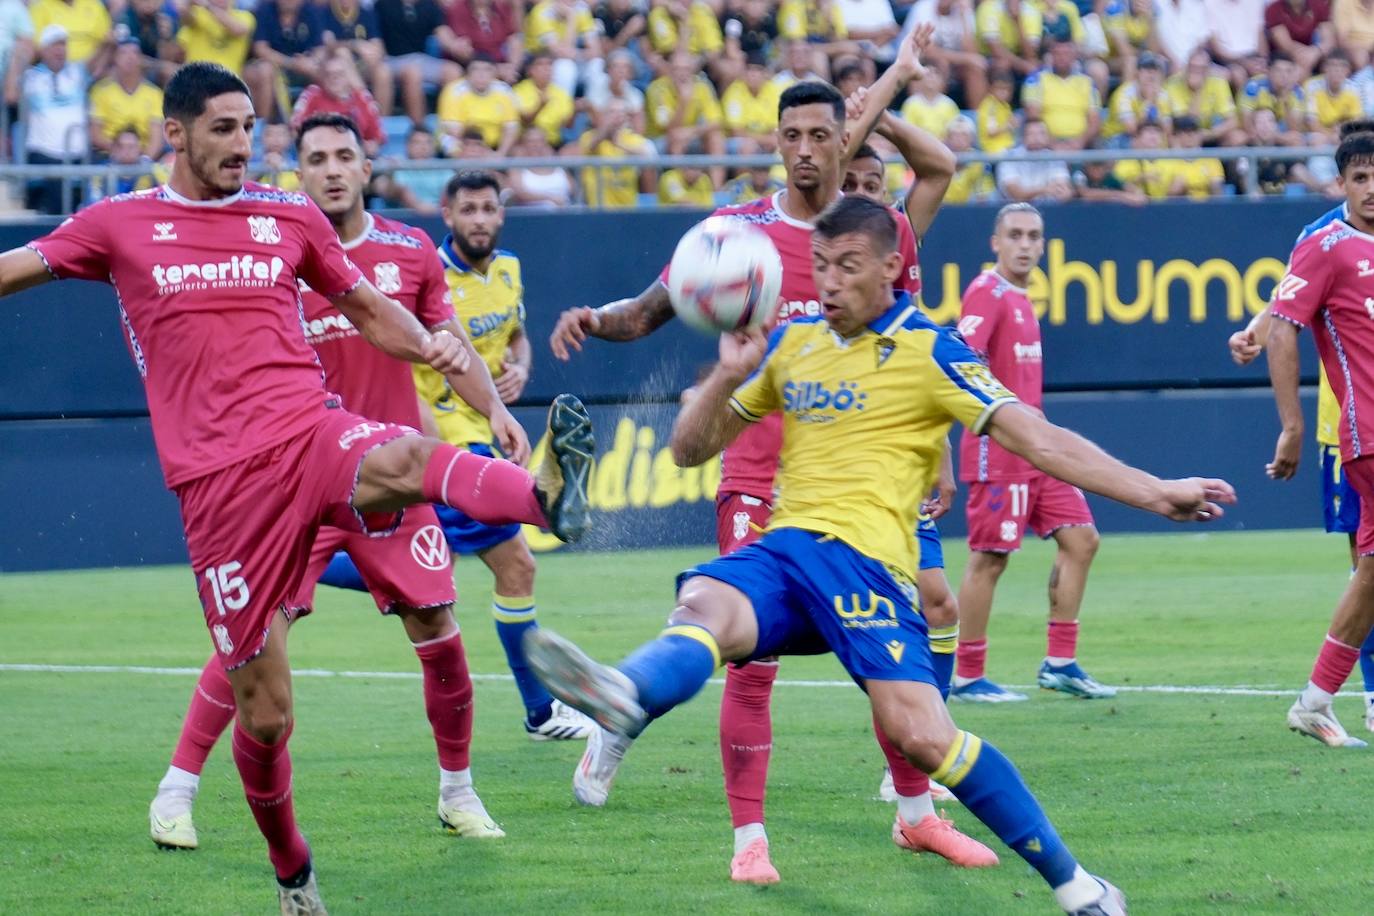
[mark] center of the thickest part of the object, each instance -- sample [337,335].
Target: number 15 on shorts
[228,587]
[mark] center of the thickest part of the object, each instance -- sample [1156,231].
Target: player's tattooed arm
[21,269]
[707,423]
[625,319]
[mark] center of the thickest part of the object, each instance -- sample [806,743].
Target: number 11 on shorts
[1020,498]
[229,588]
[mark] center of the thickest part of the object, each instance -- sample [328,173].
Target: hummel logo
[1363,265]
[164,232]
[1369,306]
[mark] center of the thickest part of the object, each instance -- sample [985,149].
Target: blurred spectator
[819,26]
[1353,21]
[973,181]
[1206,97]
[276,166]
[613,187]
[1152,176]
[490,28]
[996,119]
[750,33]
[89,30]
[1331,100]
[871,23]
[348,24]
[896,177]
[688,25]
[216,32]
[849,78]
[1196,178]
[954,46]
[1280,93]
[1096,181]
[682,109]
[1142,99]
[1300,29]
[287,49]
[341,90]
[1009,34]
[418,189]
[541,102]
[127,149]
[927,106]
[620,71]
[750,109]
[1065,98]
[1130,26]
[622,22]
[126,101]
[1060,21]
[153,24]
[1180,26]
[688,186]
[797,60]
[473,147]
[1032,181]
[1272,174]
[16,51]
[407,26]
[54,94]
[483,103]
[1235,32]
[546,186]
[753,184]
[567,30]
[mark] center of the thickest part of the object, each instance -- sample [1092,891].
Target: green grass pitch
[1190,802]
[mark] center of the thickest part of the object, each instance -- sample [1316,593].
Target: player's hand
[510,384]
[742,351]
[572,329]
[854,105]
[909,54]
[1195,499]
[942,500]
[445,353]
[1287,451]
[510,435]
[1244,348]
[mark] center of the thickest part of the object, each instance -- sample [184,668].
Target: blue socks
[1367,662]
[514,616]
[943,642]
[341,573]
[671,669]
[989,786]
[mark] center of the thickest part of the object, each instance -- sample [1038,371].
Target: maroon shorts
[250,526]
[411,567]
[740,520]
[1360,475]
[1000,512]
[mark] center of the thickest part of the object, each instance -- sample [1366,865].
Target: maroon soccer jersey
[401,262]
[998,321]
[1328,285]
[751,461]
[208,295]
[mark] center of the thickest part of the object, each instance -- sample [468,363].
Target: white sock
[914,807]
[456,785]
[748,834]
[1313,697]
[1057,661]
[1079,891]
[963,681]
[180,782]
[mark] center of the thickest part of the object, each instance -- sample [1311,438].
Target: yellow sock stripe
[700,634]
[507,609]
[944,640]
[963,754]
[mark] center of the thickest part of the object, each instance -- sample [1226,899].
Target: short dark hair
[1355,149]
[848,71]
[1336,54]
[340,122]
[812,92]
[1357,126]
[195,84]
[471,180]
[418,129]
[861,215]
[865,152]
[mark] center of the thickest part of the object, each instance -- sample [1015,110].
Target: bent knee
[925,749]
[942,612]
[269,725]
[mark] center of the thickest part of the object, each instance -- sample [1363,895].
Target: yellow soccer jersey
[994,22]
[543,26]
[556,114]
[87,23]
[705,36]
[1065,101]
[489,112]
[931,115]
[1200,176]
[612,187]
[749,113]
[1127,105]
[1211,104]
[117,110]
[864,423]
[971,182]
[1153,176]
[799,19]
[1328,412]
[204,38]
[661,101]
[996,125]
[1329,109]
[675,190]
[491,309]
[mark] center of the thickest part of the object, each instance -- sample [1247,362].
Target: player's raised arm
[21,269]
[931,162]
[622,320]
[1064,454]
[709,420]
[863,117]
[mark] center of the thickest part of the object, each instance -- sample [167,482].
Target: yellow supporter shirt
[117,110]
[1258,94]
[675,190]
[1123,22]
[1065,101]
[1200,175]
[1211,104]
[1328,412]
[491,309]
[1153,176]
[1329,109]
[661,104]
[748,113]
[994,23]
[489,112]
[544,27]
[704,35]
[971,182]
[1128,105]
[996,125]
[801,19]
[614,187]
[741,190]
[87,23]
[204,38]
[286,179]
[556,113]
[931,115]
[864,423]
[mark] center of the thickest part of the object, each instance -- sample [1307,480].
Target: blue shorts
[812,593]
[928,538]
[466,536]
[1340,502]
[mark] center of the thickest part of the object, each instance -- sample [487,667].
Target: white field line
[1211,691]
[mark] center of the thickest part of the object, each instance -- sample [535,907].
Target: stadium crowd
[485,79]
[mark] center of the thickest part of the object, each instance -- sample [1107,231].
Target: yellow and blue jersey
[864,423]
[491,309]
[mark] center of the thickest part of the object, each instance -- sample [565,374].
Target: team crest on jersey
[264,229]
[164,232]
[741,525]
[388,277]
[885,347]
[1364,268]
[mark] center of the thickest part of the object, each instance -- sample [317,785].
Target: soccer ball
[725,276]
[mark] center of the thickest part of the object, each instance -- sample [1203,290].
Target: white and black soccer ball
[725,276]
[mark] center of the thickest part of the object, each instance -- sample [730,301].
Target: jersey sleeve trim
[1288,318]
[744,413]
[981,423]
[356,283]
[33,246]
